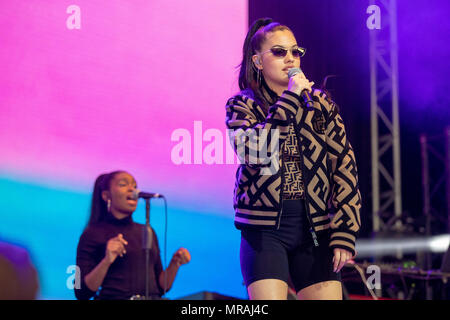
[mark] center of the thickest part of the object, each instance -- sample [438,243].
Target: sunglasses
[281,52]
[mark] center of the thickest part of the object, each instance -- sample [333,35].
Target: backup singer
[110,254]
[287,228]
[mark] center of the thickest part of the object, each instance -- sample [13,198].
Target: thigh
[326,290]
[268,289]
[263,258]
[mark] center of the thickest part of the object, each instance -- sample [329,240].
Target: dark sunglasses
[281,52]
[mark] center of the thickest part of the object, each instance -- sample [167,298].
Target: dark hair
[99,210]
[255,38]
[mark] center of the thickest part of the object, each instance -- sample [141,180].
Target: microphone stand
[147,240]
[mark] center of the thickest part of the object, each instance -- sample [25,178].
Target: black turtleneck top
[126,275]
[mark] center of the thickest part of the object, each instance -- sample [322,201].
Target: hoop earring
[258,77]
[108,205]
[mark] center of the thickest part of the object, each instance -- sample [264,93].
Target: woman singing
[297,205]
[110,254]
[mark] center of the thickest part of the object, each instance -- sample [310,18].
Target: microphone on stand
[145,195]
[309,103]
[147,235]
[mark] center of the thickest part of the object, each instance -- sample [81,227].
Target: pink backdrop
[78,102]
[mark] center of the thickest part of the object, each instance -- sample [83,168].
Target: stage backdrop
[88,87]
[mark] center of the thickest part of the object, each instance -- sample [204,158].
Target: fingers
[344,259]
[117,245]
[121,239]
[300,75]
[303,83]
[340,258]
[309,86]
[336,259]
[118,248]
[181,256]
[186,256]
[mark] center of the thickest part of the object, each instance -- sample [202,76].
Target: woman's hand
[182,256]
[298,83]
[115,247]
[341,257]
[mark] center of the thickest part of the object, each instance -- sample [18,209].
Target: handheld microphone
[145,195]
[304,94]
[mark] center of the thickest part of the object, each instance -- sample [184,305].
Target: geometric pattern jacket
[332,196]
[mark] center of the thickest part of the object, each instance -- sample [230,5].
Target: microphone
[145,195]
[304,94]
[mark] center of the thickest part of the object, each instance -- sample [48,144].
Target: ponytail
[99,210]
[247,74]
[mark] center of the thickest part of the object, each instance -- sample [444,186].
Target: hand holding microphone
[300,85]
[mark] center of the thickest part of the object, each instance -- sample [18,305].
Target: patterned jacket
[329,169]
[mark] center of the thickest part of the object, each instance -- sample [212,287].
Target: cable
[165,246]
[361,273]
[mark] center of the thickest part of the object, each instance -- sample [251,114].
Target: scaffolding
[434,187]
[385,131]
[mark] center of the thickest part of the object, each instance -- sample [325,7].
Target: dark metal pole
[447,169]
[147,245]
[426,206]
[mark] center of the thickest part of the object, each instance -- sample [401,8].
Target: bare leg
[327,290]
[268,289]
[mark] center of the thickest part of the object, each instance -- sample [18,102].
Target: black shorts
[288,251]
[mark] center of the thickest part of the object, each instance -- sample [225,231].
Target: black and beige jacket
[328,164]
